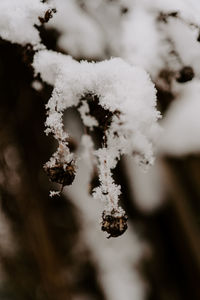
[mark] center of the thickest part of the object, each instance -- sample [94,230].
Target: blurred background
[53,248]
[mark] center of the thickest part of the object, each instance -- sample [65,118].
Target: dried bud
[61,173]
[124,10]
[113,224]
[185,74]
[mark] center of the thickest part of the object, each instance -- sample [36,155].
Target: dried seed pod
[113,224]
[61,173]
[185,74]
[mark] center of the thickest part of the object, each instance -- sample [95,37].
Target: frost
[18,19]
[108,192]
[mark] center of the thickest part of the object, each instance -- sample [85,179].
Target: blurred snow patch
[80,35]
[146,187]
[181,125]
[18,19]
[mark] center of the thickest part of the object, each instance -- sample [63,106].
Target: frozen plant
[112,95]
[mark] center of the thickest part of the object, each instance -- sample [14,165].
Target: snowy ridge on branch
[121,89]
[18,19]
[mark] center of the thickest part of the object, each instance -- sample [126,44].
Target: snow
[18,19]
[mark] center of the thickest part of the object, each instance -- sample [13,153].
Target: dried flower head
[61,173]
[185,74]
[113,223]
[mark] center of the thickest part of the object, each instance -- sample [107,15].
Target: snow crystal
[80,35]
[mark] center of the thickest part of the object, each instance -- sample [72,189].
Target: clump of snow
[122,89]
[18,19]
[48,63]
